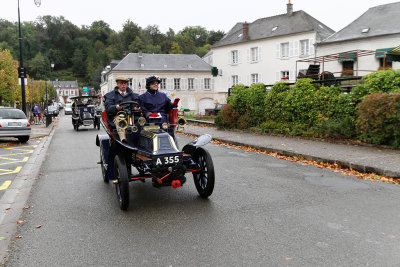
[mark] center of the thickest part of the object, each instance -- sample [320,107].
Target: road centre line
[5,185]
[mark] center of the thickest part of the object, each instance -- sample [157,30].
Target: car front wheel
[23,139]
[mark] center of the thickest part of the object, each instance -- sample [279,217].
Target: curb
[14,199]
[343,164]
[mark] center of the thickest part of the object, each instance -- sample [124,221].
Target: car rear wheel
[103,170]
[122,187]
[23,139]
[204,179]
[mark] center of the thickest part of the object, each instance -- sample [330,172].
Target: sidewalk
[41,130]
[361,158]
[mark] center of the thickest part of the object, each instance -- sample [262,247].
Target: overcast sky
[176,14]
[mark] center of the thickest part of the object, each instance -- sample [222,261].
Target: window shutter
[296,48]
[196,84]
[239,56]
[202,84]
[239,80]
[169,84]
[291,49]
[229,57]
[311,46]
[229,81]
[248,55]
[248,80]
[278,52]
[259,78]
[212,84]
[259,53]
[278,76]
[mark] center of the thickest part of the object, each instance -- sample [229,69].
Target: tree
[197,34]
[214,36]
[129,32]
[175,48]
[39,67]
[8,78]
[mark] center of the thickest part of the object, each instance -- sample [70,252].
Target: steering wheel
[126,106]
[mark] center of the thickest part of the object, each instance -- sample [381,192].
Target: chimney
[246,31]
[140,54]
[289,8]
[124,54]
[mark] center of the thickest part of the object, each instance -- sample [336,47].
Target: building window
[190,83]
[254,54]
[207,83]
[304,48]
[388,63]
[72,92]
[66,92]
[235,56]
[163,84]
[348,68]
[284,50]
[285,75]
[235,80]
[60,92]
[254,78]
[177,83]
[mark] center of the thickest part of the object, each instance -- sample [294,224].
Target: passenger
[154,103]
[121,93]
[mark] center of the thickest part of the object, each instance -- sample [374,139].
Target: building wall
[192,99]
[366,64]
[270,63]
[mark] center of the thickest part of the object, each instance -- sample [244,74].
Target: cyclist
[36,113]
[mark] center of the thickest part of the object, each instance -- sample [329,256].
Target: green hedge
[309,109]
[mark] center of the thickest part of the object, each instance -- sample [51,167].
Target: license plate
[167,160]
[14,124]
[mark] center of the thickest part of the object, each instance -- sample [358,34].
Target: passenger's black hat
[152,79]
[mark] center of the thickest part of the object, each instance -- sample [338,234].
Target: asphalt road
[263,212]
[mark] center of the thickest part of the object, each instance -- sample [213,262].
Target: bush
[378,120]
[227,117]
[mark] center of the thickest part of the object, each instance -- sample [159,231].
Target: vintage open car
[151,148]
[85,112]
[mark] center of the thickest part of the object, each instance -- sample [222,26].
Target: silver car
[13,123]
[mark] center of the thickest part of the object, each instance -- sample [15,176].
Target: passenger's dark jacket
[113,98]
[155,102]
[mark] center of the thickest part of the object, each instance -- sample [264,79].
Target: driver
[121,93]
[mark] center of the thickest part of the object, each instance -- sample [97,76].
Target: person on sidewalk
[154,103]
[121,93]
[36,113]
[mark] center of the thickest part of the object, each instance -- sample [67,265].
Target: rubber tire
[204,179]
[23,139]
[122,187]
[103,170]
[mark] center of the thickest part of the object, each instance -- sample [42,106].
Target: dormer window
[365,30]
[274,28]
[240,35]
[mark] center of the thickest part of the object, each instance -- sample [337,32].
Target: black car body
[85,112]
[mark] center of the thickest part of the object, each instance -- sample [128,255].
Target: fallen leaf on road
[20,222]
[18,236]
[3,238]
[26,207]
[288,258]
[38,226]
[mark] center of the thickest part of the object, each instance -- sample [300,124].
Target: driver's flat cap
[122,79]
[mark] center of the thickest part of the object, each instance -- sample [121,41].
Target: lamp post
[21,69]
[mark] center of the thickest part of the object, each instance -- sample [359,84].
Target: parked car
[68,109]
[13,123]
[214,111]
[51,110]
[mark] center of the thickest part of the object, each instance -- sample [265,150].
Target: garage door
[204,104]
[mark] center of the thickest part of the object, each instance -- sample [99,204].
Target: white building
[187,77]
[378,29]
[266,50]
[65,90]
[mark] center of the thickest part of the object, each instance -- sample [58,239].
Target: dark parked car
[51,110]
[13,123]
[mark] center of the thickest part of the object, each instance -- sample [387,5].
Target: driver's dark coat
[113,98]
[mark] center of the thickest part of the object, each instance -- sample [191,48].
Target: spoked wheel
[122,187]
[103,170]
[204,179]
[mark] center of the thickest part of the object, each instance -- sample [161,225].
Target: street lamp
[21,69]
